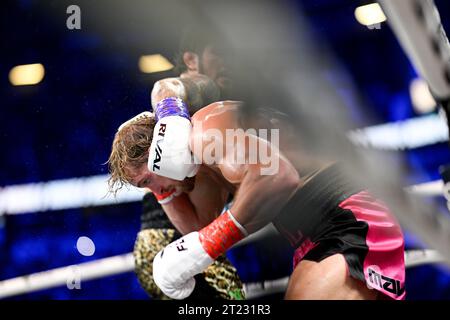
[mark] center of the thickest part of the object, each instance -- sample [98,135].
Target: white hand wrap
[175,266]
[169,154]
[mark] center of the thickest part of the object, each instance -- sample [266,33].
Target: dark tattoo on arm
[200,91]
[196,90]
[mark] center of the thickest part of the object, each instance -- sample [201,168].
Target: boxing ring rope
[432,188]
[413,258]
[402,135]
[125,263]
[87,271]
[418,28]
[91,191]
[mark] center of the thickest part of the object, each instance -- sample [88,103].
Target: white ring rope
[413,258]
[418,27]
[432,188]
[72,276]
[89,192]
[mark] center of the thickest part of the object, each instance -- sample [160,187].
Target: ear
[191,61]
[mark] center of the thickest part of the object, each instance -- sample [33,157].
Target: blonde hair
[130,149]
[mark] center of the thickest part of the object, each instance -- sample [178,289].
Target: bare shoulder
[212,121]
[218,112]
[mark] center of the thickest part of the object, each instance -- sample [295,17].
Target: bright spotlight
[26,74]
[154,63]
[370,14]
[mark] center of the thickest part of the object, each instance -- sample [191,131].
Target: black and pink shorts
[321,221]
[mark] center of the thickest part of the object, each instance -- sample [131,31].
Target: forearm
[195,90]
[260,198]
[179,262]
[182,214]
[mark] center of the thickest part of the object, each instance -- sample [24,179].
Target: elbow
[156,93]
[289,177]
[169,87]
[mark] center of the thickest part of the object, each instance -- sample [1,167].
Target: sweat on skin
[238,146]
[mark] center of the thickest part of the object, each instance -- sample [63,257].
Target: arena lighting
[154,63]
[407,134]
[63,194]
[421,98]
[26,74]
[370,14]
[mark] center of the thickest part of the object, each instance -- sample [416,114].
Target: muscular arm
[196,90]
[259,197]
[258,200]
[182,214]
[194,210]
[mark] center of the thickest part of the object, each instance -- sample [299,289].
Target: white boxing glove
[175,266]
[169,154]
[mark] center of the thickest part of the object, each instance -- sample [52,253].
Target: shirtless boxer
[347,243]
[199,64]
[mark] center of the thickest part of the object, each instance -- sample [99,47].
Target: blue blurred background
[63,128]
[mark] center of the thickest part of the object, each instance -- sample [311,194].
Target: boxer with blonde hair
[347,242]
